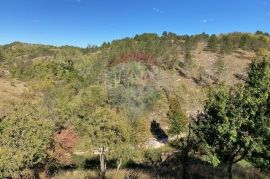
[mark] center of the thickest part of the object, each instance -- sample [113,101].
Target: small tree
[245,42]
[108,131]
[179,124]
[177,117]
[102,163]
[219,67]
[226,45]
[213,43]
[188,60]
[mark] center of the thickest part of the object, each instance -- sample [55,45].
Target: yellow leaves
[263,52]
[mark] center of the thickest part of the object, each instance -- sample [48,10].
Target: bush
[213,43]
[154,156]
[25,139]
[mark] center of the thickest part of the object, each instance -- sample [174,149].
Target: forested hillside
[167,106]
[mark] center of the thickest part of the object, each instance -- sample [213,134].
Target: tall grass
[110,174]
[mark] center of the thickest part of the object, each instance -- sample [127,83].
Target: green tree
[110,129]
[258,32]
[178,121]
[107,128]
[25,139]
[177,117]
[146,37]
[221,127]
[245,42]
[235,122]
[188,60]
[258,110]
[213,43]
[226,45]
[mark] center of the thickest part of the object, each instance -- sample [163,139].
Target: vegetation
[258,111]
[177,117]
[25,141]
[61,105]
[219,67]
[213,43]
[232,119]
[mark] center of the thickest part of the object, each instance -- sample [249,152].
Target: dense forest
[150,106]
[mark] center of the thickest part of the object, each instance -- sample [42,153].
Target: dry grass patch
[10,90]
[110,174]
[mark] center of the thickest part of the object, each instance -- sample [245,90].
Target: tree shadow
[94,163]
[158,132]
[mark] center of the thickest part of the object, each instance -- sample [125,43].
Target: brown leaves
[67,139]
[64,144]
[136,56]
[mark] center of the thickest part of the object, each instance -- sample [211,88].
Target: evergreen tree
[178,124]
[177,117]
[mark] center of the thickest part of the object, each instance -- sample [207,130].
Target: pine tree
[177,117]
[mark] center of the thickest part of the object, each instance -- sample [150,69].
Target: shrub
[25,139]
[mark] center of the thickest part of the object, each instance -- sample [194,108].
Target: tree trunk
[230,176]
[186,154]
[119,165]
[102,163]
[184,171]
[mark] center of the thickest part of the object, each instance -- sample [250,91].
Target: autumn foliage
[64,143]
[138,56]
